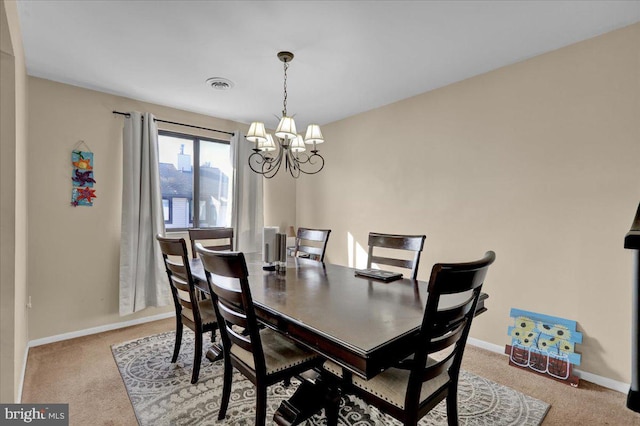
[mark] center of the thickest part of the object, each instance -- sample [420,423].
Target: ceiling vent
[220,83]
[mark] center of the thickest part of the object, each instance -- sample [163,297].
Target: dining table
[363,324]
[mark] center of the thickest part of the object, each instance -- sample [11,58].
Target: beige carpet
[82,372]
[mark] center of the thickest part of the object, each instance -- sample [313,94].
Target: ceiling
[350,56]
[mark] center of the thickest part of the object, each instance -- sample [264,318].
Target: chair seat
[391,384]
[207,314]
[280,353]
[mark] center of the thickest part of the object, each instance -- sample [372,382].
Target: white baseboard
[22,373]
[99,329]
[486,345]
[605,382]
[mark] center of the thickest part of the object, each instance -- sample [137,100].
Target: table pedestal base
[313,394]
[214,353]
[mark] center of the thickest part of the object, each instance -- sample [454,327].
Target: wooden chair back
[176,262]
[413,243]
[202,234]
[311,243]
[446,330]
[227,276]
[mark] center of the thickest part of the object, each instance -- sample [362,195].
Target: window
[194,168]
[166,210]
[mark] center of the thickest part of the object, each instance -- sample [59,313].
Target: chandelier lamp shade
[288,148]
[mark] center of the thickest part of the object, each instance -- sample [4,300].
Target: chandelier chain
[284,111]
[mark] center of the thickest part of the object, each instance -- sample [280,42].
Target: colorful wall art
[544,345]
[82,193]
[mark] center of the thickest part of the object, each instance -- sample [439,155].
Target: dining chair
[202,234]
[198,315]
[413,243]
[410,389]
[311,243]
[262,355]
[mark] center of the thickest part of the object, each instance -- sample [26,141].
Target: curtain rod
[179,124]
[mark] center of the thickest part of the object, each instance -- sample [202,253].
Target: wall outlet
[29,303]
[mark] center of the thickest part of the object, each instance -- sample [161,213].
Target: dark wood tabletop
[362,324]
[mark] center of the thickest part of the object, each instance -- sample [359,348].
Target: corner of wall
[13,80]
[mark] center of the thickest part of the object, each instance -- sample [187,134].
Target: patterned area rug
[161,393]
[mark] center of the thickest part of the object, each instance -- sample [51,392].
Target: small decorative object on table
[82,192]
[274,249]
[378,274]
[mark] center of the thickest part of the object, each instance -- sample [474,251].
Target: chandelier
[288,147]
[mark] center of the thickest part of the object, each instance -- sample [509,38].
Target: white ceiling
[350,56]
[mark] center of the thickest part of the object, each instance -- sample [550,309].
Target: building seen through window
[195,168]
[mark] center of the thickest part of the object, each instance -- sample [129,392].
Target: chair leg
[197,357]
[452,406]
[226,388]
[261,405]
[178,343]
[332,406]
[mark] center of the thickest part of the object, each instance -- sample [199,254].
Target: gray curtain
[142,276]
[248,212]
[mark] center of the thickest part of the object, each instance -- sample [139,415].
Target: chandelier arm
[272,171]
[294,167]
[314,159]
[269,166]
[259,159]
[296,158]
[275,164]
[302,158]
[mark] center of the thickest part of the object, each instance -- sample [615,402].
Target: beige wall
[74,252]
[13,193]
[279,201]
[538,161]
